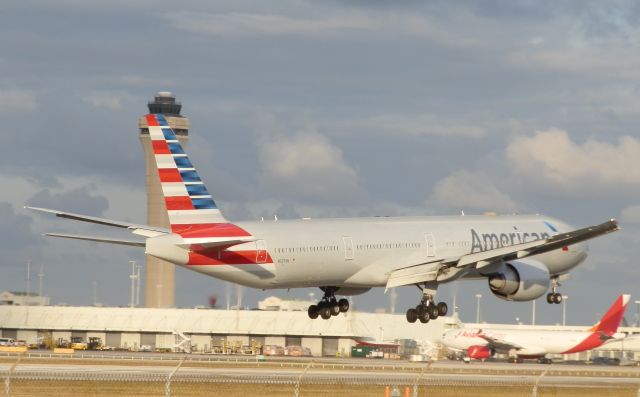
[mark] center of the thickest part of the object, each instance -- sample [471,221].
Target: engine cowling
[521,280]
[479,352]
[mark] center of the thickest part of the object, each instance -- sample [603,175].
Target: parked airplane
[521,256]
[520,344]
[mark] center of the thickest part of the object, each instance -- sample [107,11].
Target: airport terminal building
[208,330]
[223,331]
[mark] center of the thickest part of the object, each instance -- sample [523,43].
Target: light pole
[564,309]
[478,296]
[132,277]
[533,312]
[95,293]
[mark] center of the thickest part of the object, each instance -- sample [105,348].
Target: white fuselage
[532,343]
[360,253]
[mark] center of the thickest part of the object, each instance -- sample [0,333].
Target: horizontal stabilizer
[98,239]
[151,230]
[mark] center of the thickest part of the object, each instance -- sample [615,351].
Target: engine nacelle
[479,352]
[521,280]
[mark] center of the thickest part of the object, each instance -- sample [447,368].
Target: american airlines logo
[489,241]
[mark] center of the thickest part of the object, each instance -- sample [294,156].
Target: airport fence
[185,377]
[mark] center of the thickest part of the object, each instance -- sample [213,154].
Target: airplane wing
[500,345]
[430,271]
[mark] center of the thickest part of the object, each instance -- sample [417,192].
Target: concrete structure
[159,283]
[209,329]
[23,299]
[275,303]
[212,330]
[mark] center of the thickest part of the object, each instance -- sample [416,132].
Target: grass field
[179,389]
[97,383]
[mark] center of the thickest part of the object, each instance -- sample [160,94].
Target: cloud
[631,214]
[79,200]
[337,23]
[105,100]
[550,158]
[413,125]
[18,242]
[465,190]
[17,100]
[308,167]
[248,24]
[616,63]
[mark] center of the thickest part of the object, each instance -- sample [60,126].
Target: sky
[302,108]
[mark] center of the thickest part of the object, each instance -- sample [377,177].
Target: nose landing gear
[328,306]
[554,296]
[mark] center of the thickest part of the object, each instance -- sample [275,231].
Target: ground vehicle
[605,361]
[7,341]
[95,343]
[77,343]
[272,350]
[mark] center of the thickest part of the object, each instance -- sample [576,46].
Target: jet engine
[479,352]
[520,280]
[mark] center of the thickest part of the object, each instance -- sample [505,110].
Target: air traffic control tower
[159,282]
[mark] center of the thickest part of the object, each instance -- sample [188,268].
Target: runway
[186,368]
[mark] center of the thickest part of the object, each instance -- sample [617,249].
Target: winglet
[610,322]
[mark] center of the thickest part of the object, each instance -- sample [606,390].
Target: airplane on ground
[520,256]
[520,344]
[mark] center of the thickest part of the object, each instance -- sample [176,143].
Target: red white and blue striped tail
[193,214]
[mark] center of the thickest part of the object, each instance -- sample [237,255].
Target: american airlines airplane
[520,256]
[520,344]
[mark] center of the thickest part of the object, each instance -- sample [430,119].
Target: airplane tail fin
[192,212]
[609,323]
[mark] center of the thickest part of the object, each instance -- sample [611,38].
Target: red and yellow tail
[611,320]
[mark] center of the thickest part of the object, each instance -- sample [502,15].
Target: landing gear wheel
[328,306]
[412,315]
[325,312]
[550,297]
[554,296]
[313,312]
[432,310]
[442,309]
[424,317]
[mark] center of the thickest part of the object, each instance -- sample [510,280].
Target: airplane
[520,256]
[520,344]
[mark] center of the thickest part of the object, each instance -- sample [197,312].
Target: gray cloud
[307,167]
[19,242]
[551,158]
[79,200]
[631,214]
[464,190]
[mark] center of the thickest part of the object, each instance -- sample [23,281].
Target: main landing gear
[427,309]
[554,296]
[328,305]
